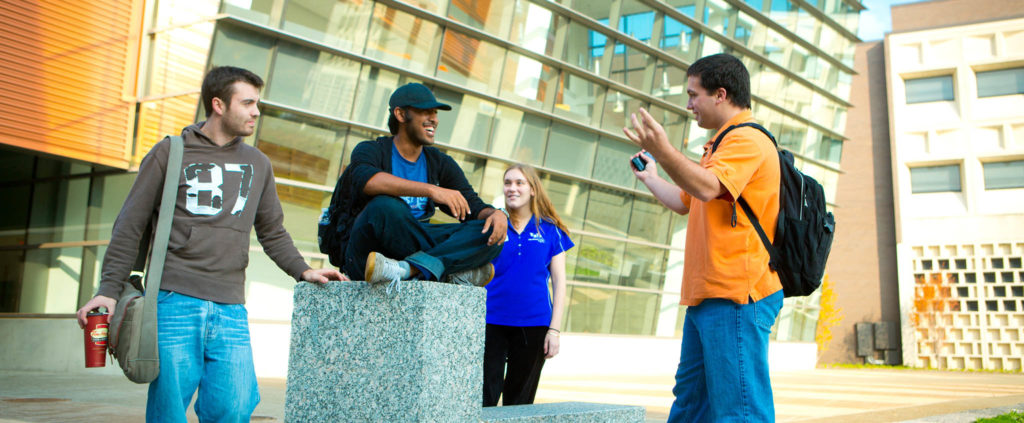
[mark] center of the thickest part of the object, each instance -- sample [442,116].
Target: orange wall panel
[68,73]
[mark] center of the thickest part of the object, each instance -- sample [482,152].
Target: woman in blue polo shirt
[523,318]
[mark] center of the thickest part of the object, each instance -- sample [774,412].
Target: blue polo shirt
[518,295]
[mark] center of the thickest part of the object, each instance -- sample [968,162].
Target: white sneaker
[479,276]
[380,269]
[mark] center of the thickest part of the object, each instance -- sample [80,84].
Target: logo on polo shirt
[534,236]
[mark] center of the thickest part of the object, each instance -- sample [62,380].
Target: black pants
[386,226]
[522,349]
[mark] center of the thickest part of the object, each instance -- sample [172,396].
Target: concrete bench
[358,354]
[564,412]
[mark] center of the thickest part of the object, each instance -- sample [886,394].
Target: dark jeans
[522,348]
[387,227]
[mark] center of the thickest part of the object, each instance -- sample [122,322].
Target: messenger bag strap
[148,342]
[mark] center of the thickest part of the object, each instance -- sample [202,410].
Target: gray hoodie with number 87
[223,193]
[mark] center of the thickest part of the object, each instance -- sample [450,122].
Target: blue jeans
[202,345]
[723,365]
[386,226]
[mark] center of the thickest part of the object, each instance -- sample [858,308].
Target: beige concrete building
[944,95]
[956,97]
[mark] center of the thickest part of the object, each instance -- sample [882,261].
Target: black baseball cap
[415,95]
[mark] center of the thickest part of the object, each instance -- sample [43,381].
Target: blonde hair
[540,204]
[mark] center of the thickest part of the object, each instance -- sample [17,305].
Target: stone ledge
[564,412]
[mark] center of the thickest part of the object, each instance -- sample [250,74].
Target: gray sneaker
[380,269]
[479,276]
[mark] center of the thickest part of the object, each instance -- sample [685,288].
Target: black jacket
[368,159]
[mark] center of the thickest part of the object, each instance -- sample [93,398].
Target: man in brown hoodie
[226,188]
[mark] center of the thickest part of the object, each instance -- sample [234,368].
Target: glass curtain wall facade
[545,83]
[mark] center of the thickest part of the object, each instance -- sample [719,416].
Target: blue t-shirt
[413,171]
[518,295]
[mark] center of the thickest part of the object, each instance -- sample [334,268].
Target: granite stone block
[564,412]
[361,355]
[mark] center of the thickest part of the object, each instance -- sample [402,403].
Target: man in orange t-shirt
[732,296]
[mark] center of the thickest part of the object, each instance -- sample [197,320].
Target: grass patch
[1011,417]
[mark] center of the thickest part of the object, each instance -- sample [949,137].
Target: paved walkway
[832,395]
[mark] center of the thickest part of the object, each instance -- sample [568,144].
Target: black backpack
[803,236]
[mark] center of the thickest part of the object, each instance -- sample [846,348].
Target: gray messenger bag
[133,329]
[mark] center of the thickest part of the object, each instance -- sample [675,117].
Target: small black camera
[640,162]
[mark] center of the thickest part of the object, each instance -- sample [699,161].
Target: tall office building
[549,83]
[934,181]
[957,131]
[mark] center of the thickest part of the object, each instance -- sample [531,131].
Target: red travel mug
[96,339]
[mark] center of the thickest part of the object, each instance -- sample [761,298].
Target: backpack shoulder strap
[739,125]
[774,257]
[772,254]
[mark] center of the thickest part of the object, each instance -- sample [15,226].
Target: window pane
[436,6]
[473,167]
[608,211]
[340,23]
[570,200]
[375,88]
[493,16]
[921,90]
[612,163]
[468,124]
[935,179]
[587,310]
[595,9]
[669,84]
[650,221]
[301,149]
[575,98]
[248,50]
[518,136]
[637,24]
[402,40]
[570,150]
[674,124]
[471,63]
[678,39]
[824,148]
[354,137]
[599,260]
[1001,175]
[534,27]
[617,108]
[252,10]
[314,80]
[584,47]
[1001,82]
[644,266]
[716,16]
[629,65]
[302,206]
[635,313]
[525,80]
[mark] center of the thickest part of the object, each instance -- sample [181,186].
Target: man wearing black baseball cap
[377,224]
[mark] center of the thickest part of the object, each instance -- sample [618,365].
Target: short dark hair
[219,82]
[724,71]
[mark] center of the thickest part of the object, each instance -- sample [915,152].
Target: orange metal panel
[68,73]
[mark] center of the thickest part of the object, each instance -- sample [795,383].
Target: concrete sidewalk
[833,395]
